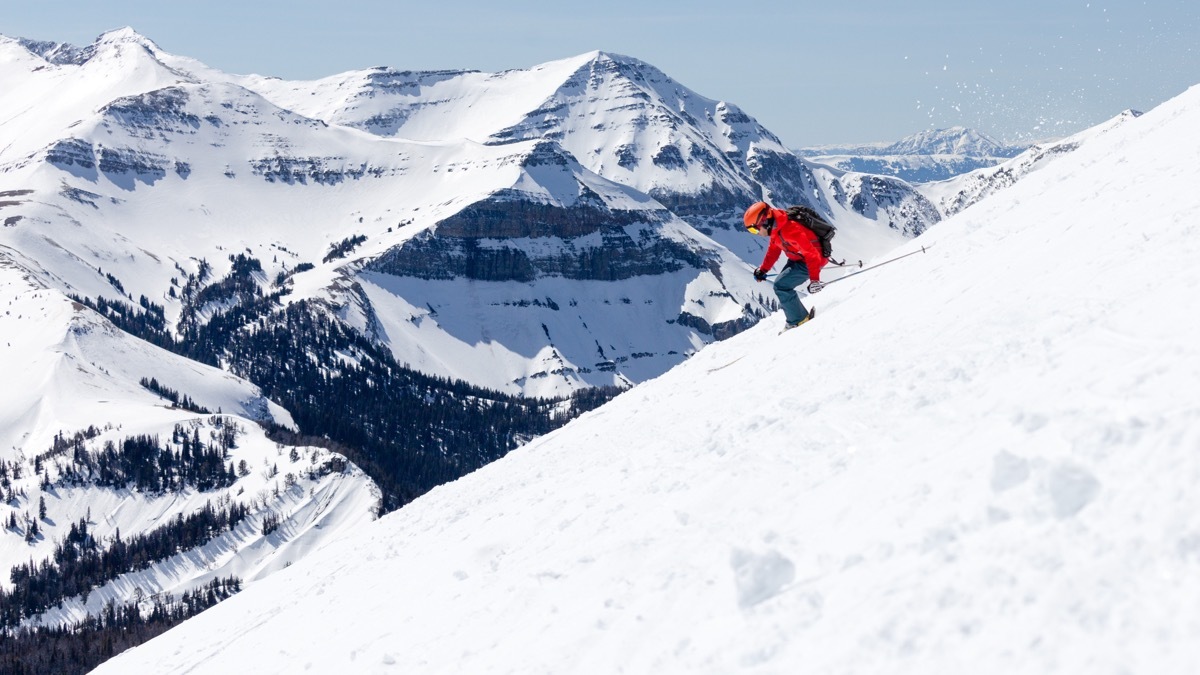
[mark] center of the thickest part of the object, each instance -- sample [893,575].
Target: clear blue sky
[831,71]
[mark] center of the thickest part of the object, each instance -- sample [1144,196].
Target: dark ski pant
[793,274]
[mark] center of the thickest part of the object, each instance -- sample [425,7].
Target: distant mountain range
[920,158]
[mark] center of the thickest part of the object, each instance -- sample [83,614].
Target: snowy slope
[63,359]
[972,461]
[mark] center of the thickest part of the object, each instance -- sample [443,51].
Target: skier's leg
[794,274]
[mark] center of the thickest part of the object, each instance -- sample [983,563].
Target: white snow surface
[980,459]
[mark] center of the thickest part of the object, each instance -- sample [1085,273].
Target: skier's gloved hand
[760,274]
[815,286]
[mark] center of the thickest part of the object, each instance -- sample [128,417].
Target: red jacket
[797,242]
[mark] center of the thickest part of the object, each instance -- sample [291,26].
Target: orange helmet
[755,215]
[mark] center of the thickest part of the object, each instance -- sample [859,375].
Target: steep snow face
[628,121]
[970,459]
[74,383]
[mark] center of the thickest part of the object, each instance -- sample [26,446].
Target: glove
[760,274]
[815,286]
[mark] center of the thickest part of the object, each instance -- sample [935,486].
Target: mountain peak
[955,140]
[61,53]
[601,55]
[126,35]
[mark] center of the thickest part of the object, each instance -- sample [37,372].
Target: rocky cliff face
[893,201]
[506,239]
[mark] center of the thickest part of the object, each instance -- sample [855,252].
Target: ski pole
[868,269]
[859,264]
[864,269]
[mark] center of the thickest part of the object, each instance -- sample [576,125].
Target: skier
[803,251]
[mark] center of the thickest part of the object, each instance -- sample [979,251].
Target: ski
[812,313]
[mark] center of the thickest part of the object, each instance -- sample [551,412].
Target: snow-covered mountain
[970,461]
[926,156]
[462,208]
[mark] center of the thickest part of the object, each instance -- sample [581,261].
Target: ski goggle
[761,224]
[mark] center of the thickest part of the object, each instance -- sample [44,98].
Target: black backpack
[820,227]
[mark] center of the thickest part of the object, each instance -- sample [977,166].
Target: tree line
[83,645]
[146,464]
[81,563]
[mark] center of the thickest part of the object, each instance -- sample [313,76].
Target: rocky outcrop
[155,112]
[317,170]
[72,153]
[123,166]
[505,239]
[893,201]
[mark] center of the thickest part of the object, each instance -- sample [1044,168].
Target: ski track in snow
[982,459]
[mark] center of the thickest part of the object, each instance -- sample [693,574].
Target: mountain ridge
[923,157]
